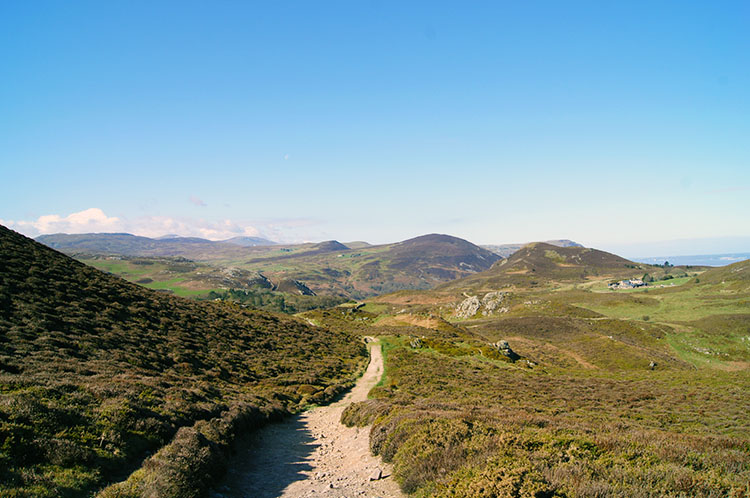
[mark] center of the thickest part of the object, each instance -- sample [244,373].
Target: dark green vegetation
[329,268]
[187,278]
[614,394]
[276,301]
[97,374]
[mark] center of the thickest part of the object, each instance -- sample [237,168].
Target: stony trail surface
[313,454]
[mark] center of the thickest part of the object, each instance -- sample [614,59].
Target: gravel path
[312,454]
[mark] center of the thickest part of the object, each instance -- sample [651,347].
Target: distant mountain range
[506,250]
[125,244]
[333,268]
[329,267]
[250,241]
[240,241]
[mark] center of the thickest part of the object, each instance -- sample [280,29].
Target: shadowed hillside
[97,374]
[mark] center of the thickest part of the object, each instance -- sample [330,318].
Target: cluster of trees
[265,299]
[668,276]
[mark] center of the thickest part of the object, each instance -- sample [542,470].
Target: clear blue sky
[610,124]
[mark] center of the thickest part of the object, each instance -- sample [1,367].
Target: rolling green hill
[99,377]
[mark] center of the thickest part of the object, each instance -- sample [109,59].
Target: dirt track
[312,454]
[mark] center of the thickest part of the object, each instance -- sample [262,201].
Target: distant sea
[699,260]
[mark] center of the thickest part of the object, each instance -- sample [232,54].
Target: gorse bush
[96,374]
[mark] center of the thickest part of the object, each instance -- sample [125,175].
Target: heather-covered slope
[622,393]
[97,373]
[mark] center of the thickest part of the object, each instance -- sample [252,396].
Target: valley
[374,249]
[517,376]
[194,267]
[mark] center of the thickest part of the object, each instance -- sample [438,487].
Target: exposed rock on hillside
[468,307]
[503,348]
[237,278]
[489,304]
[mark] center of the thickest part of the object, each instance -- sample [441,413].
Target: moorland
[103,381]
[509,376]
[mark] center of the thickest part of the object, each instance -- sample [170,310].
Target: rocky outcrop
[492,301]
[468,307]
[489,304]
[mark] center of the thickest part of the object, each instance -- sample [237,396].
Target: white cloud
[94,220]
[89,220]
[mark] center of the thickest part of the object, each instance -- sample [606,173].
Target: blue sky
[610,124]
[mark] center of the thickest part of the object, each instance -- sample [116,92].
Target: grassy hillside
[99,376]
[736,276]
[612,394]
[327,268]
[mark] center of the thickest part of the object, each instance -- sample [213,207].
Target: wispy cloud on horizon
[95,220]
